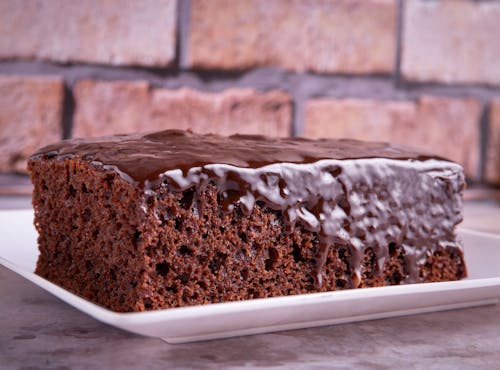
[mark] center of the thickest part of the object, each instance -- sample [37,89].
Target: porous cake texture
[170,219]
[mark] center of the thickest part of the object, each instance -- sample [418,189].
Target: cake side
[87,220]
[218,232]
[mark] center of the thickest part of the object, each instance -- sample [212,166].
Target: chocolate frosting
[351,193]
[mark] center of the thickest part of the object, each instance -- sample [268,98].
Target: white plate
[19,252]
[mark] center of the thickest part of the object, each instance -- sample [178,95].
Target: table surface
[38,331]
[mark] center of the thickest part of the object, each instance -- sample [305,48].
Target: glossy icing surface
[146,157]
[360,195]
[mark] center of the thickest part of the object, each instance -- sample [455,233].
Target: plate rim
[309,300]
[297,299]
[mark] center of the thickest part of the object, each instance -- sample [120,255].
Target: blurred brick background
[424,73]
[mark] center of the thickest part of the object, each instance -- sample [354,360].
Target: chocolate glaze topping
[351,193]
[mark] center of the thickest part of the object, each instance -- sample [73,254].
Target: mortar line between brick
[296,121]
[68,112]
[484,129]
[183,29]
[262,79]
[399,41]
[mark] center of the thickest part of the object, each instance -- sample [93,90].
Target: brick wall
[424,73]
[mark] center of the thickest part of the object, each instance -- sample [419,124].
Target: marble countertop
[38,331]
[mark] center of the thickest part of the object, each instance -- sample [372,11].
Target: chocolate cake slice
[169,219]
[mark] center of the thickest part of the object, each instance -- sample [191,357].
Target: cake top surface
[146,156]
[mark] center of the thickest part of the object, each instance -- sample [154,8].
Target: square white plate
[19,253]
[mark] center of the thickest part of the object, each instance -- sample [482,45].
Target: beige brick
[125,32]
[451,41]
[30,117]
[346,36]
[450,128]
[107,108]
[492,174]
[104,108]
[357,118]
[242,111]
[445,126]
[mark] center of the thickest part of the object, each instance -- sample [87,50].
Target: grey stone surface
[38,331]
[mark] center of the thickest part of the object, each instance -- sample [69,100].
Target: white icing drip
[380,210]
